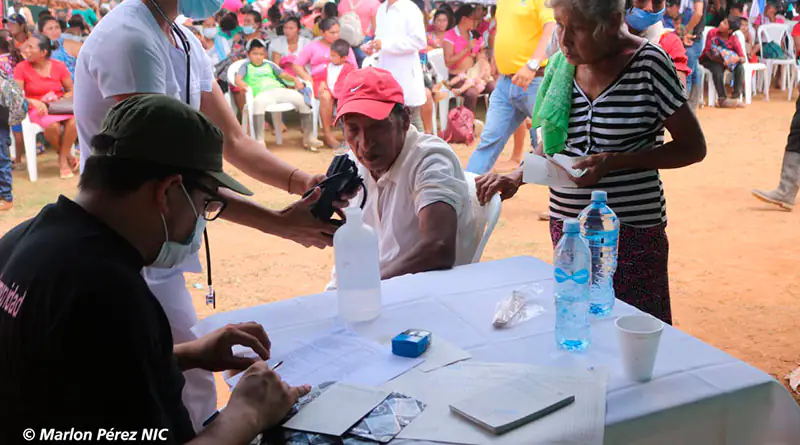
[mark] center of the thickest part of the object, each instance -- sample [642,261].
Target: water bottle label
[580,276]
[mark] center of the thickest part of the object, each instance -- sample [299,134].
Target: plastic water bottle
[572,261]
[358,270]
[600,230]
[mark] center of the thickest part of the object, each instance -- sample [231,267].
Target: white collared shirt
[401,30]
[427,171]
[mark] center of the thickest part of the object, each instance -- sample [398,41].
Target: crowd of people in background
[300,52]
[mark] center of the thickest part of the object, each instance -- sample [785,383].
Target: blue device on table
[411,343]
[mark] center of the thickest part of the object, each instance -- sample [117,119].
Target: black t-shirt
[701,26]
[84,344]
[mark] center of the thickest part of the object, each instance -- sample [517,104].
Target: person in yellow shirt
[524,29]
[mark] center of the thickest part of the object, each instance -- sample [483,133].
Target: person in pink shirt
[366,10]
[311,66]
[442,21]
[770,16]
[467,62]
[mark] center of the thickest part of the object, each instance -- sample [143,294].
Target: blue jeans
[359,53]
[509,105]
[693,57]
[5,165]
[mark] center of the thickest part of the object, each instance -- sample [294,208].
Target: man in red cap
[417,194]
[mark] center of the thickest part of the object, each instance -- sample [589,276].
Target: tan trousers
[280,95]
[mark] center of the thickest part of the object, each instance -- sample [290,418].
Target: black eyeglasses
[213,206]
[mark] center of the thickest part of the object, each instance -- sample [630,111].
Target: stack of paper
[552,171]
[582,422]
[342,356]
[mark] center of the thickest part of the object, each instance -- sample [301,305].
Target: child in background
[271,85]
[9,57]
[339,68]
[478,76]
[13,110]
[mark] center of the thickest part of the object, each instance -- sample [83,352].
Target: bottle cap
[353,212]
[599,196]
[572,225]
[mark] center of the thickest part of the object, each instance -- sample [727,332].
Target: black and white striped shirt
[627,117]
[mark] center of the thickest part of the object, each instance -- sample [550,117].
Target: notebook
[503,408]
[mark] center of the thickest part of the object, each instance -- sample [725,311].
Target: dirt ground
[733,260]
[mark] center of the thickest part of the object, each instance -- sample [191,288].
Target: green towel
[554,103]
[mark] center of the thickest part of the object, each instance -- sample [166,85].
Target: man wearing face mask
[85,343]
[644,19]
[137,49]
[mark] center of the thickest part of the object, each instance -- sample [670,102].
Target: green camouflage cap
[164,130]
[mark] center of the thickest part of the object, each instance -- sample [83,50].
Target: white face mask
[210,33]
[74,38]
[172,252]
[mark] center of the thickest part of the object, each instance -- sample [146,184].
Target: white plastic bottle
[358,270]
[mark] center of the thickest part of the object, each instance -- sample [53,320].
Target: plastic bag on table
[515,308]
[382,424]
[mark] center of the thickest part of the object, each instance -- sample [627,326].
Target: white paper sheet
[583,422]
[546,171]
[440,354]
[342,356]
[337,409]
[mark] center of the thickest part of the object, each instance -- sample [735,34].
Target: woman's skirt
[641,279]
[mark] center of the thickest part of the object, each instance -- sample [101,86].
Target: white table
[699,394]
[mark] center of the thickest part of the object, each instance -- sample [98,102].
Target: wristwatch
[534,65]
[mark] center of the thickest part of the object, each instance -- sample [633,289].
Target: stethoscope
[211,296]
[184,43]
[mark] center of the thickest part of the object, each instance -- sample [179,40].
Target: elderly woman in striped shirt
[625,92]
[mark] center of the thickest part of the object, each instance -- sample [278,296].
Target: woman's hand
[597,167]
[40,106]
[491,183]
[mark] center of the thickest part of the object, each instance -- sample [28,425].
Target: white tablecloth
[699,394]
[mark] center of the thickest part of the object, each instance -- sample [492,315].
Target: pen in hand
[216,413]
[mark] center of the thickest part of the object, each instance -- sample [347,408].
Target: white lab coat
[401,30]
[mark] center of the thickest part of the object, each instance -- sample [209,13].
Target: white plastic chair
[487,216]
[275,110]
[777,32]
[705,76]
[436,57]
[29,133]
[750,70]
[247,113]
[370,61]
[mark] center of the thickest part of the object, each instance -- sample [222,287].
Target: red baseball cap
[372,92]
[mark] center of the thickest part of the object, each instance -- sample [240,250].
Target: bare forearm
[185,355]
[254,160]
[301,73]
[667,156]
[697,15]
[427,255]
[451,61]
[540,53]
[248,213]
[229,428]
